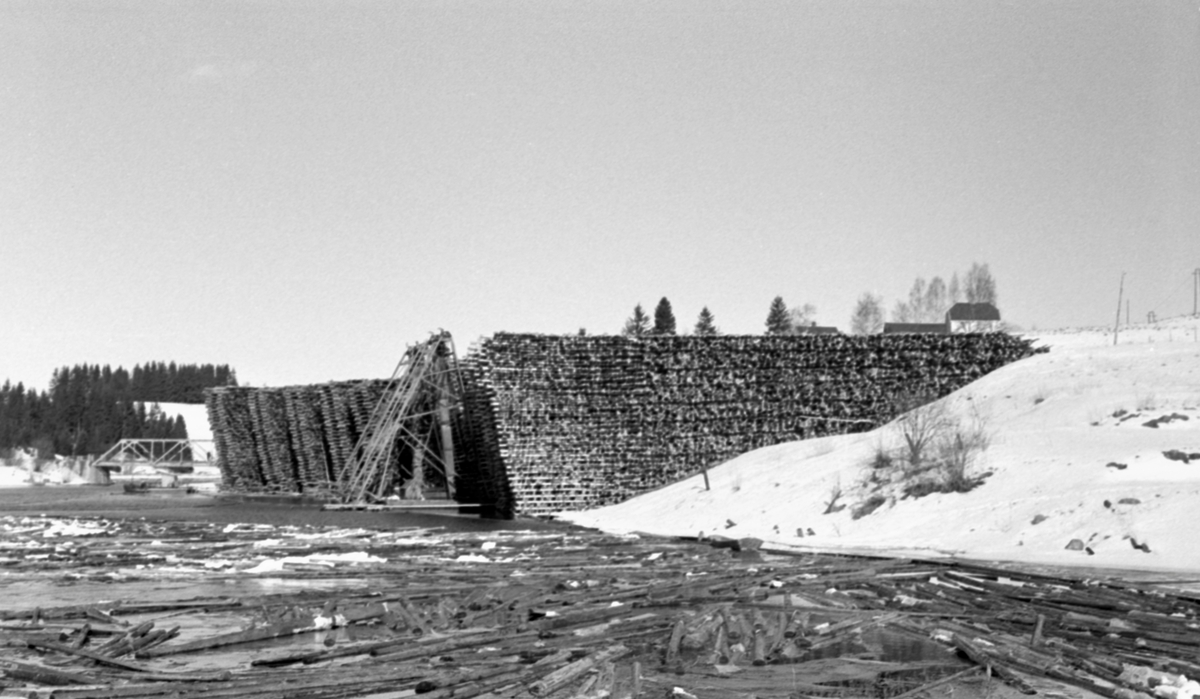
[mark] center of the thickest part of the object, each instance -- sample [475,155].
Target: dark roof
[895,328]
[973,311]
[817,330]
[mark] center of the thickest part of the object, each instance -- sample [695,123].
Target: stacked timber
[229,412]
[293,439]
[586,421]
[552,423]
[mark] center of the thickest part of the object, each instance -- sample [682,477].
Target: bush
[921,488]
[936,451]
[868,506]
[882,458]
[835,494]
[920,427]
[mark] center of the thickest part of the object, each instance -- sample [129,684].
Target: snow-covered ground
[194,416]
[1069,449]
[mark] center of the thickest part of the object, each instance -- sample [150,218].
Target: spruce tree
[779,322]
[664,318]
[637,324]
[704,324]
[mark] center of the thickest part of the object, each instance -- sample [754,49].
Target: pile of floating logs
[560,614]
[575,422]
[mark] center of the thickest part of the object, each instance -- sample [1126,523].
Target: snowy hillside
[1075,451]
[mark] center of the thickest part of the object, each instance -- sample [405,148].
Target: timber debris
[343,613]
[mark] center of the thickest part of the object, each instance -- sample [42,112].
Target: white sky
[301,189]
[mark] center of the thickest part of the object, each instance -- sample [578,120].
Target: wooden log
[279,630]
[98,657]
[565,675]
[43,675]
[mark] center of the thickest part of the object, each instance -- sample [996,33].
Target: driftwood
[584,614]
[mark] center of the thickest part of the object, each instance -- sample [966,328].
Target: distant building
[815,329]
[914,328]
[973,318]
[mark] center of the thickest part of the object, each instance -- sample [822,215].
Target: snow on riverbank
[1070,454]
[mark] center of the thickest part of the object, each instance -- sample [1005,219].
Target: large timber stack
[293,439]
[553,423]
[575,422]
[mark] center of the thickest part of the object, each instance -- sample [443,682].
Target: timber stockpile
[572,422]
[545,423]
[208,611]
[360,442]
[294,439]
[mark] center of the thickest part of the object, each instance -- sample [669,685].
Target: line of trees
[89,408]
[927,303]
[664,321]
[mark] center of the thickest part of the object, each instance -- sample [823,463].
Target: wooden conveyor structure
[407,444]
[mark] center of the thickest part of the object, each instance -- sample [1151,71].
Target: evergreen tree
[704,324]
[664,318]
[779,322]
[637,324]
[88,408]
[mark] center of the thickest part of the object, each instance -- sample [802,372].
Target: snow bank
[194,416]
[1072,456]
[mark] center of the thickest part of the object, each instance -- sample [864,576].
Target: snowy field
[1069,451]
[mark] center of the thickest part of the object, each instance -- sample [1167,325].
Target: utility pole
[1120,296]
[1195,290]
[1127,311]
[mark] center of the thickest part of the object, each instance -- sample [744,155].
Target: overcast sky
[301,189]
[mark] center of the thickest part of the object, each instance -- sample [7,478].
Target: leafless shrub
[835,494]
[868,506]
[936,451]
[919,429]
[881,458]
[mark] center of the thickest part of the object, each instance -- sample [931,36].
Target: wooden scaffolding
[407,446]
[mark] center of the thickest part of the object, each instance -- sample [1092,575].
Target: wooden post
[1120,294]
[1037,631]
[447,442]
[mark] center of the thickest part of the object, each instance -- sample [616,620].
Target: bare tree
[928,303]
[980,286]
[802,317]
[916,300]
[934,306]
[868,315]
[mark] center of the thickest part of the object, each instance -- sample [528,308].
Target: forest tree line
[927,303]
[89,408]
